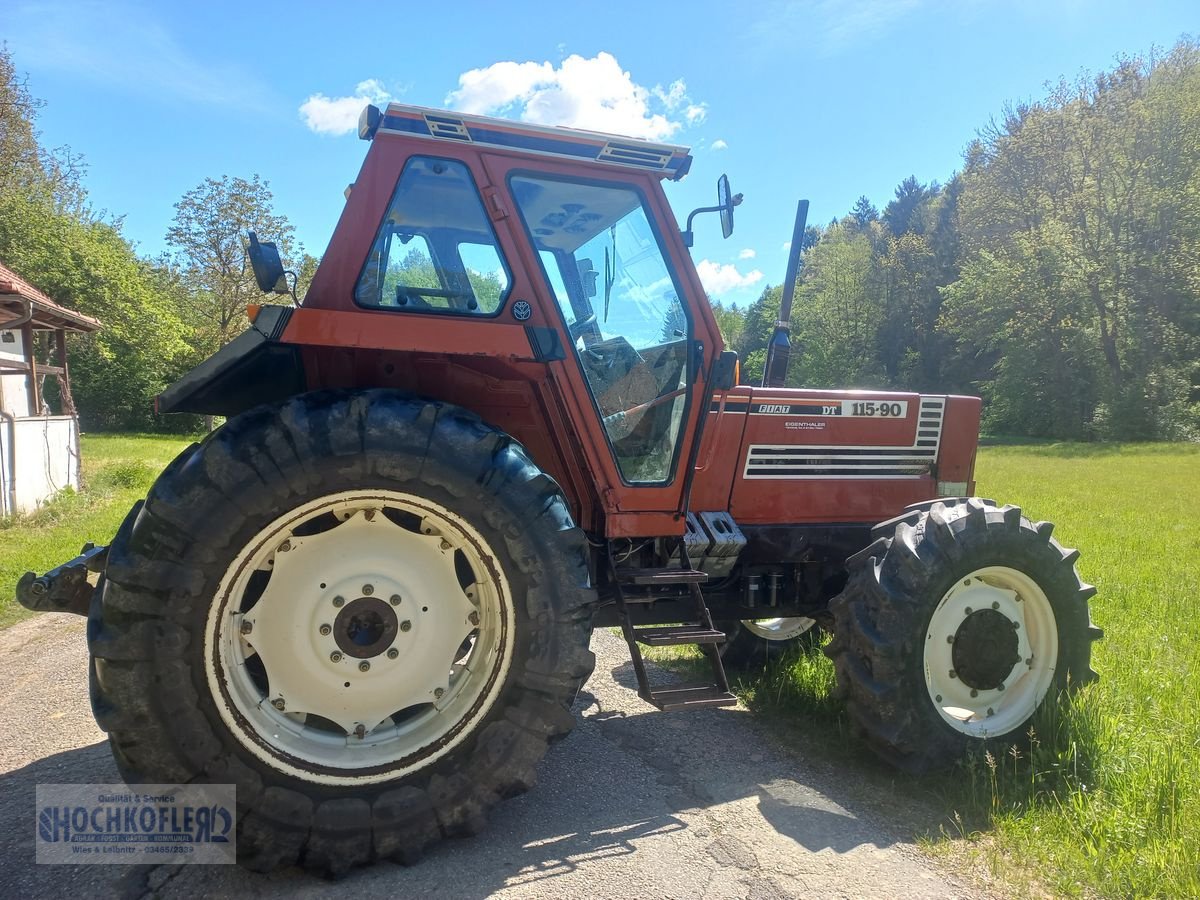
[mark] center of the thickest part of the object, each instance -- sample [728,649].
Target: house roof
[15,292]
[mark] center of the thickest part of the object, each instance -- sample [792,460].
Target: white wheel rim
[779,629]
[986,699]
[395,582]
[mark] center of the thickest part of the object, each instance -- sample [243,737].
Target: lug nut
[1029,662]
[369,515]
[437,694]
[991,712]
[953,674]
[339,600]
[364,666]
[360,731]
[406,625]
[278,703]
[247,626]
[938,698]
[368,590]
[395,599]
[325,629]
[285,546]
[968,611]
[473,618]
[1000,686]
[949,639]
[995,604]
[974,693]
[445,545]
[335,656]
[393,653]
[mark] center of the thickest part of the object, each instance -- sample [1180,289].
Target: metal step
[670,635]
[689,696]
[661,576]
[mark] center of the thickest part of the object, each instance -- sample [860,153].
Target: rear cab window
[435,251]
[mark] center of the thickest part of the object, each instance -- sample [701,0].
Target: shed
[39,446]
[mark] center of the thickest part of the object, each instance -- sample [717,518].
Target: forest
[1057,274]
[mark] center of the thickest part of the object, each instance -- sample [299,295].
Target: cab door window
[435,250]
[619,298]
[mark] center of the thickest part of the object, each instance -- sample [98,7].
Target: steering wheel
[406,294]
[643,408]
[581,327]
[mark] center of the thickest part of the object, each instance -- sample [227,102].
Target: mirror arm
[688,237]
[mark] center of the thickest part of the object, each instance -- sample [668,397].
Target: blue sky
[826,99]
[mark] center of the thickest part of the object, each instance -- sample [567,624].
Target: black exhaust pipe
[779,350]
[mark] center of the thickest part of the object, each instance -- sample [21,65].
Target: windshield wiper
[610,272]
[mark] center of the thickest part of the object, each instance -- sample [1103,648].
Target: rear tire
[187,603]
[955,628]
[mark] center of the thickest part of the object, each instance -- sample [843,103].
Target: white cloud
[591,93]
[339,115]
[719,278]
[674,95]
[787,245]
[747,254]
[719,144]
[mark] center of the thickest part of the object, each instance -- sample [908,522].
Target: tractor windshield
[619,297]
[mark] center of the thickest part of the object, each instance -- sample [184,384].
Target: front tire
[369,612]
[954,628]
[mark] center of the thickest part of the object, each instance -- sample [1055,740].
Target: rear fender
[251,369]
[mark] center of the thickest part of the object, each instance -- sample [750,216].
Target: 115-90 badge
[855,409]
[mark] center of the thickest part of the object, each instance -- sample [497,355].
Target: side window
[555,277]
[435,250]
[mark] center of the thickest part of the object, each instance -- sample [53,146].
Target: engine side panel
[807,456]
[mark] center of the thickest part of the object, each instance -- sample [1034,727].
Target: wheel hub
[365,628]
[985,649]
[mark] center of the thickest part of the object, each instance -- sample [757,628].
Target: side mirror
[725,202]
[587,277]
[725,375]
[268,269]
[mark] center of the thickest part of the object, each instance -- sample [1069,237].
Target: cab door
[601,254]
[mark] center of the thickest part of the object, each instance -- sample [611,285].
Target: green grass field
[117,471]
[1111,804]
[1107,803]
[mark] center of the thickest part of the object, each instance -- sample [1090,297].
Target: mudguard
[251,369]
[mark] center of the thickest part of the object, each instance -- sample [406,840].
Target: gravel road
[634,803]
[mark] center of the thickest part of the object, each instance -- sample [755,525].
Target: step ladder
[701,633]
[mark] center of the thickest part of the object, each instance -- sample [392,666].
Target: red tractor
[504,416]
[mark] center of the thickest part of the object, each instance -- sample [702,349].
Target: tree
[731,321]
[864,212]
[901,214]
[208,235]
[52,239]
[838,313]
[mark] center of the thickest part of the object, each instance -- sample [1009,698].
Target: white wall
[47,460]
[14,386]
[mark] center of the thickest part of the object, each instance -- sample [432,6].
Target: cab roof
[668,160]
